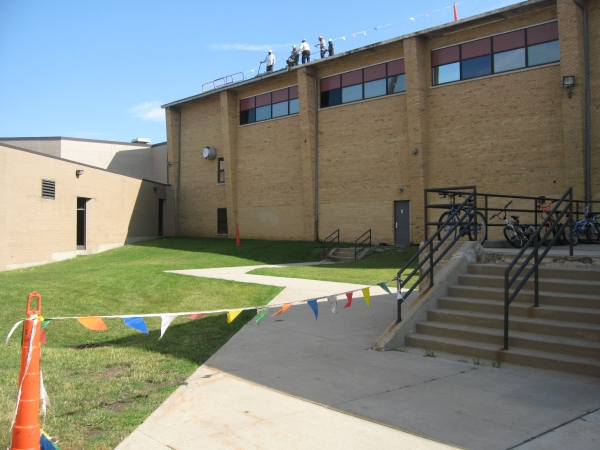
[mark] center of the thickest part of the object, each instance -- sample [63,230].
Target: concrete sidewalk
[294,382]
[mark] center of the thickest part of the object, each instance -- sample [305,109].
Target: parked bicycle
[585,230]
[543,212]
[467,226]
[516,234]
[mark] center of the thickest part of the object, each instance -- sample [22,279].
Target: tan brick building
[351,141]
[53,209]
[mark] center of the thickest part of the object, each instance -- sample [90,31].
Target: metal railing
[223,81]
[330,242]
[361,243]
[458,223]
[537,242]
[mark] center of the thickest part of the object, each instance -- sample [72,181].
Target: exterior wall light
[155,189]
[400,190]
[568,83]
[78,173]
[415,150]
[209,153]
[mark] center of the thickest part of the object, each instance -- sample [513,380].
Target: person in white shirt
[305,49]
[270,61]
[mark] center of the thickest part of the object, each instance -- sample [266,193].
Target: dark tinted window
[477,67]
[331,98]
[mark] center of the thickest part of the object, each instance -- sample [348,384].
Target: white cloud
[148,111]
[250,47]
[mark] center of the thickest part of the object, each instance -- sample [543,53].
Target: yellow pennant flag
[367,295]
[231,315]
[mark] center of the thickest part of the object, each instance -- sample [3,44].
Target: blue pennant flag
[313,305]
[137,323]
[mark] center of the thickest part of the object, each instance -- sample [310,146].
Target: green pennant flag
[46,322]
[260,313]
[384,287]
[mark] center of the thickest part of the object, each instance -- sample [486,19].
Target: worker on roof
[330,47]
[293,58]
[305,49]
[270,61]
[322,46]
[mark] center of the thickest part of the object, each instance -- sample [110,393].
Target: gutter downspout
[178,170]
[316,156]
[586,50]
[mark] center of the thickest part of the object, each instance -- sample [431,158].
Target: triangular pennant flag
[367,295]
[399,296]
[165,321]
[283,309]
[92,323]
[412,18]
[426,15]
[354,35]
[195,316]
[365,33]
[137,323]
[42,336]
[314,306]
[344,37]
[46,322]
[12,330]
[376,28]
[44,398]
[260,314]
[349,297]
[231,315]
[455,12]
[332,299]
[384,287]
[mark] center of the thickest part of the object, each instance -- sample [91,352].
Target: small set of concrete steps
[347,254]
[563,333]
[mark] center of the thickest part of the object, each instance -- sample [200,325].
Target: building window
[370,82]
[48,189]
[221,174]
[528,47]
[283,102]
[222,221]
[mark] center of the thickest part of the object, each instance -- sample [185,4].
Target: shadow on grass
[194,340]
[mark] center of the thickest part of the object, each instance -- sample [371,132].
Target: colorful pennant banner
[367,296]
[314,306]
[231,315]
[349,297]
[93,323]
[137,323]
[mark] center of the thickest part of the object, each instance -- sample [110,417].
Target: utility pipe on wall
[178,110]
[316,156]
[586,51]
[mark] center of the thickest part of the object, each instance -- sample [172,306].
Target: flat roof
[447,28]
[50,138]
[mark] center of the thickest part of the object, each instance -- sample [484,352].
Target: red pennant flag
[349,297]
[43,336]
[455,12]
[283,309]
[195,316]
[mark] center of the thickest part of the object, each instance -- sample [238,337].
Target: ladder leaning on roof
[223,81]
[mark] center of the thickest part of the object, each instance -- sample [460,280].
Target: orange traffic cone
[26,431]
[237,236]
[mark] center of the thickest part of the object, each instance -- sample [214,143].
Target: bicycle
[543,212]
[515,233]
[466,227]
[586,228]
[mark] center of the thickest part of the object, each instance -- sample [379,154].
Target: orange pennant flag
[93,323]
[367,295]
[283,309]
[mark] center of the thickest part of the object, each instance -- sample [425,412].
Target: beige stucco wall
[35,230]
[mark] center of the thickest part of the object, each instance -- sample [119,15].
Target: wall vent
[48,189]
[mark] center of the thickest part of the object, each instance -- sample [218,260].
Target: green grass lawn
[99,395]
[373,269]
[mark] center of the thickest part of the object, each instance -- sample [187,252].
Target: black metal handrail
[536,242]
[366,236]
[330,242]
[468,208]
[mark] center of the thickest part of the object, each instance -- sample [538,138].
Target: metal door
[402,223]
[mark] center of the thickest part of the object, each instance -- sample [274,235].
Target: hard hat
[293,46]
[270,51]
[329,40]
[320,37]
[303,40]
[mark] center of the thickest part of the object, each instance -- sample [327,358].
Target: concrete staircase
[347,254]
[563,333]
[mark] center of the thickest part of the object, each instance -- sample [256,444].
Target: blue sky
[101,69]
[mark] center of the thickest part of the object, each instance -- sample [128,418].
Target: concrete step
[345,251]
[342,258]
[585,331]
[582,273]
[527,296]
[551,344]
[545,284]
[526,357]
[549,312]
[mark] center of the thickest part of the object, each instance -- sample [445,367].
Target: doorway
[161,207]
[402,223]
[81,222]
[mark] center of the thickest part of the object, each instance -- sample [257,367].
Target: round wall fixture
[209,153]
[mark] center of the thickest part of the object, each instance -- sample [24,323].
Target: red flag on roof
[455,12]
